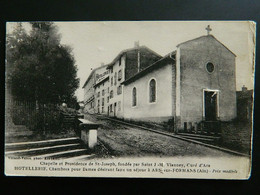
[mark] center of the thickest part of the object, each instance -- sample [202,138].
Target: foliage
[42,71]
[39,68]
[46,119]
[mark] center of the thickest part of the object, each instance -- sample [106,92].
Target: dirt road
[123,140]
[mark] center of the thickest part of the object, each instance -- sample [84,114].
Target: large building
[126,64]
[194,83]
[95,90]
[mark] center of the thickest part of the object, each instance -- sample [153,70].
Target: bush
[47,118]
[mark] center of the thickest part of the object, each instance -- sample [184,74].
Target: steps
[200,137]
[68,120]
[55,148]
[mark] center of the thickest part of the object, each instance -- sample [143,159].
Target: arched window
[134,97]
[152,91]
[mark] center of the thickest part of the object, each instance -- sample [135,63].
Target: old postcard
[158,99]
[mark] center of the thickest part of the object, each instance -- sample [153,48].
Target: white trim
[207,68]
[178,83]
[149,91]
[203,101]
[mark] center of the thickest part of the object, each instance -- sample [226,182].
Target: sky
[94,43]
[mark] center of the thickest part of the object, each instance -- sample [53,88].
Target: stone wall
[237,136]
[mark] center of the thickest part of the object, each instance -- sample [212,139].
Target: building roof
[131,49]
[206,36]
[92,72]
[168,59]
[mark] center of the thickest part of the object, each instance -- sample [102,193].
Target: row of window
[103,101]
[117,77]
[119,91]
[99,85]
[151,93]
[119,62]
[103,92]
[111,107]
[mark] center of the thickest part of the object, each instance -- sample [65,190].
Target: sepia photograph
[160,99]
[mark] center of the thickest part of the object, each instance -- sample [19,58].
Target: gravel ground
[128,141]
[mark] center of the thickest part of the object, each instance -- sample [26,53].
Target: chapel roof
[206,36]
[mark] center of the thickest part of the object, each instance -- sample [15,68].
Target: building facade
[126,64]
[93,87]
[245,104]
[205,81]
[148,94]
[101,89]
[195,83]
[89,94]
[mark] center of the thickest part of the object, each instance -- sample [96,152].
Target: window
[134,97]
[112,69]
[98,103]
[119,106]
[111,108]
[152,91]
[210,67]
[120,61]
[107,99]
[111,94]
[103,101]
[119,75]
[111,81]
[108,90]
[115,77]
[103,92]
[98,94]
[119,89]
[102,109]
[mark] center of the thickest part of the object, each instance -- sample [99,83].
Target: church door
[210,101]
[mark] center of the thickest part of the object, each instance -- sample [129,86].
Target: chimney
[244,88]
[136,44]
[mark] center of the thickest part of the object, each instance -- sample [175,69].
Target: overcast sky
[97,42]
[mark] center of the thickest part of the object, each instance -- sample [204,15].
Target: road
[123,140]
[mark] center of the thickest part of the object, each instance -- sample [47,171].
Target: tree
[39,67]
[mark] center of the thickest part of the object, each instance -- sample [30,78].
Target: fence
[43,117]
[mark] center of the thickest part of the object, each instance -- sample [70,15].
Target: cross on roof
[208,29]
